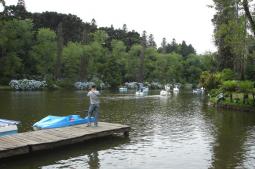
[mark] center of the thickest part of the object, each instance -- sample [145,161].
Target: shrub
[26,84]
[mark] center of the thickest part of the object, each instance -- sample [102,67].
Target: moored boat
[61,121]
[123,89]
[176,89]
[143,91]
[164,93]
[8,127]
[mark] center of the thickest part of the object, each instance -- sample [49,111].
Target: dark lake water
[176,132]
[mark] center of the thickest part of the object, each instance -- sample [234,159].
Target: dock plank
[28,142]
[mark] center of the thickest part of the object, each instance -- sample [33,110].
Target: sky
[188,20]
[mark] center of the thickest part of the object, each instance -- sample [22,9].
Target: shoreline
[5,87]
[225,106]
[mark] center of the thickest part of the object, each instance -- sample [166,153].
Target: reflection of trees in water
[93,162]
[68,155]
[230,130]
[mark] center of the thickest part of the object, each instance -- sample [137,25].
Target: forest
[63,49]
[234,31]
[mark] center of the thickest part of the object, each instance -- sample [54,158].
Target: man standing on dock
[94,105]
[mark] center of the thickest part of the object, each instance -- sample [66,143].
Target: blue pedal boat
[61,121]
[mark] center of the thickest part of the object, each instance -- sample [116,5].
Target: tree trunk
[245,98]
[248,14]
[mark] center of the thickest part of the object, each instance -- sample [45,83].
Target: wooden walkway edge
[28,142]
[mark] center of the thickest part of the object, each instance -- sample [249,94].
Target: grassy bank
[5,87]
[236,104]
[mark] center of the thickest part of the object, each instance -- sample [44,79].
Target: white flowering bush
[131,85]
[154,85]
[26,84]
[81,85]
[86,85]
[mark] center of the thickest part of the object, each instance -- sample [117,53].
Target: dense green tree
[72,26]
[162,49]
[250,67]
[72,54]
[169,68]
[150,64]
[151,42]
[12,11]
[119,53]
[112,55]
[230,36]
[209,61]
[129,38]
[173,47]
[97,60]
[44,52]
[193,67]
[60,43]
[112,72]
[133,63]
[84,62]
[15,41]
[100,36]
[186,50]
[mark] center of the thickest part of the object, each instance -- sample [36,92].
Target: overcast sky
[188,20]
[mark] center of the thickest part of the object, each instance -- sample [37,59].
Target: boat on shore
[123,89]
[143,91]
[198,91]
[176,90]
[8,127]
[165,92]
[61,121]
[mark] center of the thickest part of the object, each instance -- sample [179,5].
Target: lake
[177,132]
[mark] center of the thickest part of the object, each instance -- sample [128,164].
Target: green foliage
[112,73]
[15,42]
[246,86]
[12,65]
[228,74]
[210,80]
[230,85]
[193,67]
[81,51]
[182,49]
[71,60]
[132,64]
[100,36]
[44,52]
[250,68]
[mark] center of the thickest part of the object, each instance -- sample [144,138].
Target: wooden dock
[29,142]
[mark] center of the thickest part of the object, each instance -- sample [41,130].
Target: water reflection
[93,161]
[178,131]
[231,131]
[83,155]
